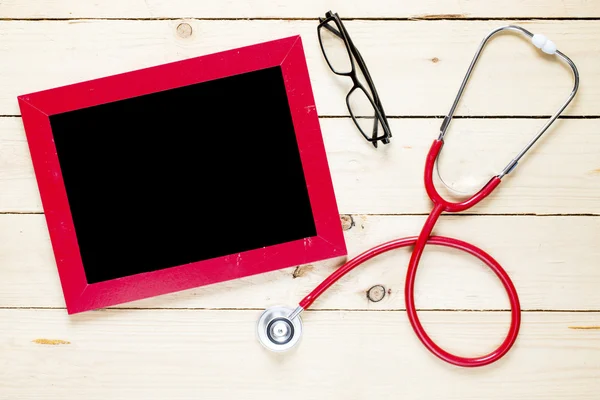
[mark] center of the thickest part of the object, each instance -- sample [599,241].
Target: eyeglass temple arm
[363,67]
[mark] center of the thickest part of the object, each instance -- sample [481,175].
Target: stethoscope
[280,328]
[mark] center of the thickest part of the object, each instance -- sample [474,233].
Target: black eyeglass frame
[353,53]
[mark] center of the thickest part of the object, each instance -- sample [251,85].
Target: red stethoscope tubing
[425,238]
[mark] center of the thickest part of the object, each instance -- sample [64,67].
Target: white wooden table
[542,224]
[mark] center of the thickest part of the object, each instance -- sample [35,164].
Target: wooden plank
[343,355]
[560,175]
[18,188]
[552,260]
[293,9]
[417,66]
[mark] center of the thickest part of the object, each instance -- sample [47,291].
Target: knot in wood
[376,293]
[184,30]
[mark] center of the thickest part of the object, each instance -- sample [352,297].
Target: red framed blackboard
[183,174]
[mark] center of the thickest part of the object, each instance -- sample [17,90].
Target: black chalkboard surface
[183,175]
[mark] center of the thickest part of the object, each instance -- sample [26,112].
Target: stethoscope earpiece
[278,330]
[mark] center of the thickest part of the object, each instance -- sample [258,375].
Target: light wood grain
[561,175]
[343,355]
[201,343]
[552,260]
[417,66]
[297,9]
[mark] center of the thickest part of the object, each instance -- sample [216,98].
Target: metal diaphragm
[276,331]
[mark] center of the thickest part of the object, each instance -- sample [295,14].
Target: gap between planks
[432,17]
[453,310]
[400,214]
[433,116]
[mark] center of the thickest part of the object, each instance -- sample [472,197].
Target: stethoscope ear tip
[276,331]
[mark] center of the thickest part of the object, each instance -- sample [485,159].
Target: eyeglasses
[363,103]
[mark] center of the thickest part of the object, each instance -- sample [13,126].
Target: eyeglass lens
[335,50]
[363,113]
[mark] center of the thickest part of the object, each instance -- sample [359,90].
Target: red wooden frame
[81,296]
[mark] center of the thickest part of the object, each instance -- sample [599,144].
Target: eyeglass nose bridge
[547,47]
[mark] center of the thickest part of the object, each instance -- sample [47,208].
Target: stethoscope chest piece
[276,331]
